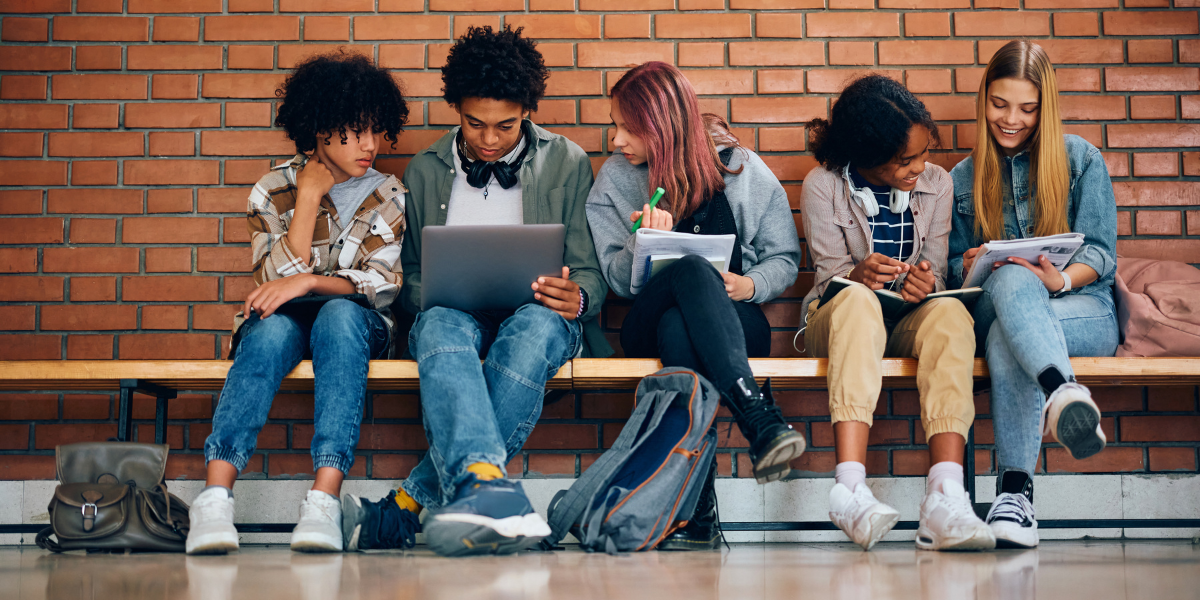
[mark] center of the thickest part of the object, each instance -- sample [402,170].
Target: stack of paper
[654,249]
[1057,248]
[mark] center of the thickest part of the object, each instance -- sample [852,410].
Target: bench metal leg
[969,464]
[125,409]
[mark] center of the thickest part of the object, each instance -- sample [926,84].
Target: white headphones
[865,199]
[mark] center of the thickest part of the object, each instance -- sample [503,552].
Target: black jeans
[684,317]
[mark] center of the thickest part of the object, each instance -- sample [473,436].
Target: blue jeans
[343,338]
[1025,331]
[481,413]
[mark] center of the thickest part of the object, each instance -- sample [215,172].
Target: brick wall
[130,131]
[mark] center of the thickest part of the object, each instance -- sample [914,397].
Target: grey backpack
[647,484]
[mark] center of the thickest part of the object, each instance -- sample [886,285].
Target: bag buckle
[89,520]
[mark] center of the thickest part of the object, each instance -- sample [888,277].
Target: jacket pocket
[965,205]
[844,219]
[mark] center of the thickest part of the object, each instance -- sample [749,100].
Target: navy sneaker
[381,525]
[486,517]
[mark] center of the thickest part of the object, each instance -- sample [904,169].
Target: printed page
[651,242]
[1058,248]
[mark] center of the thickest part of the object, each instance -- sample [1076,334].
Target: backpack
[1158,307]
[645,486]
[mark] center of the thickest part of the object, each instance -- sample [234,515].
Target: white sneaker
[858,514]
[1074,419]
[211,523]
[1012,522]
[948,522]
[320,526]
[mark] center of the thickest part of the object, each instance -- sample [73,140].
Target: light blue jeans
[343,338]
[476,412]
[1025,331]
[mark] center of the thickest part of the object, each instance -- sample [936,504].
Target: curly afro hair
[500,65]
[332,92]
[869,125]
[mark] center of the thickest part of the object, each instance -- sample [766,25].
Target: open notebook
[894,306]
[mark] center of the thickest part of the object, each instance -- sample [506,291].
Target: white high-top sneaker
[858,514]
[1074,419]
[320,526]
[211,521]
[948,522]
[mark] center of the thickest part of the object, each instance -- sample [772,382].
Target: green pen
[658,194]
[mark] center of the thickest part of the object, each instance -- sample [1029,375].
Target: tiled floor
[1157,570]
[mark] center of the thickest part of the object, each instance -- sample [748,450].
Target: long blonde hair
[1049,168]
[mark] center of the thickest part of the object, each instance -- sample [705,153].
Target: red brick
[176,29]
[174,87]
[172,114]
[1157,23]
[96,116]
[402,56]
[388,437]
[1160,429]
[925,52]
[22,29]
[90,260]
[164,317]
[1067,51]
[833,24]
[31,289]
[20,144]
[925,81]
[552,464]
[336,29]
[910,462]
[622,54]
[168,260]
[177,346]
[288,406]
[98,58]
[107,143]
[20,202]
[31,347]
[28,407]
[26,468]
[169,230]
[790,81]
[174,6]
[93,231]
[291,55]
[47,436]
[1189,51]
[166,288]
[14,437]
[241,85]
[93,289]
[227,260]
[777,110]
[223,200]
[1117,163]
[1191,164]
[1172,459]
[777,25]
[1007,24]
[407,27]
[1111,460]
[393,466]
[851,53]
[95,201]
[389,406]
[1069,80]
[1151,51]
[98,87]
[87,406]
[1178,250]
[246,28]
[626,26]
[307,6]
[1171,398]
[1156,164]
[776,53]
[1152,79]
[236,6]
[701,54]
[102,29]
[247,114]
[1156,193]
[172,143]
[245,143]
[1032,4]
[30,230]
[17,318]
[99,6]
[1082,24]
[550,4]
[18,260]
[570,26]
[171,172]
[926,24]
[1078,108]
[237,288]
[1152,107]
[1154,135]
[174,58]
[33,58]
[33,116]
[89,317]
[23,87]
[251,57]
[553,436]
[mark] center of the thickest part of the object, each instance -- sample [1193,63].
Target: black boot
[703,530]
[773,443]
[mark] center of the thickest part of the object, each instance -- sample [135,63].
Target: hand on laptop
[559,294]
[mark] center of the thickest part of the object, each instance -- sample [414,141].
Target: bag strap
[45,543]
[574,502]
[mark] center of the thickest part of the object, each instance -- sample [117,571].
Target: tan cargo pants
[850,331]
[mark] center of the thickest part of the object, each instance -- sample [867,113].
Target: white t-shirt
[492,205]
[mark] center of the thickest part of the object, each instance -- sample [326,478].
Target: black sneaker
[773,443]
[486,517]
[1011,516]
[381,525]
[703,530]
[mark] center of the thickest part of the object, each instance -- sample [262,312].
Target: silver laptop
[487,267]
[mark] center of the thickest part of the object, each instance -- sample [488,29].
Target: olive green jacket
[556,177]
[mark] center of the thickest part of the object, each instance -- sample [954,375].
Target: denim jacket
[1091,210]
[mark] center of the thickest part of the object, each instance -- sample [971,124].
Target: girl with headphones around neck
[876,213]
[1026,178]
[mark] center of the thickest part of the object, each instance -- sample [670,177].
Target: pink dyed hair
[659,106]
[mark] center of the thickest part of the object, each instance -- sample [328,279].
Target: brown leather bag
[113,496]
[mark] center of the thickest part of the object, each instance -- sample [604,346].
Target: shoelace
[1012,507]
[212,510]
[758,417]
[324,509]
[397,527]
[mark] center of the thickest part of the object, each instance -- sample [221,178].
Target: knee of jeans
[1011,277]
[858,299]
[537,326]
[274,332]
[339,315]
[694,265]
[952,312]
[997,348]
[441,327]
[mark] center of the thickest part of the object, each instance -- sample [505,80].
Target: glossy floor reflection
[1058,570]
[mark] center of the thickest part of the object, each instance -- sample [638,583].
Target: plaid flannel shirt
[366,252]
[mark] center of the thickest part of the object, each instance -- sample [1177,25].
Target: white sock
[228,491]
[943,471]
[850,474]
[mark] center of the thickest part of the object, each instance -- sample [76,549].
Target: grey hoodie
[769,245]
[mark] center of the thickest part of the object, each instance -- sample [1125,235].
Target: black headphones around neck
[479,172]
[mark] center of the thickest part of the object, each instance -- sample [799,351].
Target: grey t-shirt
[348,195]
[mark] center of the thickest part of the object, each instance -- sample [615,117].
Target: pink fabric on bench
[1158,307]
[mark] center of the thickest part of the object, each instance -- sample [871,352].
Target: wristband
[582,303]
[1066,284]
